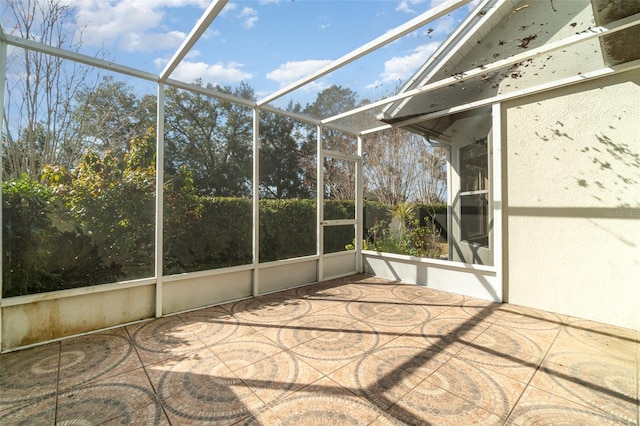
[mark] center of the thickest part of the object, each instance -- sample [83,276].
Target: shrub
[43,250]
[112,202]
[95,224]
[402,232]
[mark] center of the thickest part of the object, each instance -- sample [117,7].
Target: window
[474,193]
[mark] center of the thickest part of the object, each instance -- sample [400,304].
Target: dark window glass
[474,193]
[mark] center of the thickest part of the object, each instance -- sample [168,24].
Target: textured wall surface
[573,200]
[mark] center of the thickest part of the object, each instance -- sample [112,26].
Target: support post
[496,186]
[3,79]
[320,204]
[256,201]
[159,198]
[359,208]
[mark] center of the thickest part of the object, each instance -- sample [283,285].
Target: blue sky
[266,43]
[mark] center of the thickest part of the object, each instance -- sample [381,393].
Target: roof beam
[367,48]
[307,119]
[565,82]
[594,32]
[448,48]
[252,104]
[210,92]
[375,129]
[78,57]
[196,32]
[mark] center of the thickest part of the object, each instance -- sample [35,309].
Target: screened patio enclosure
[108,219]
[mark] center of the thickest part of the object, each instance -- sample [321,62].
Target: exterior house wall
[571,161]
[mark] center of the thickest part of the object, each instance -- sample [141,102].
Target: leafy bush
[95,224]
[402,232]
[42,249]
[112,202]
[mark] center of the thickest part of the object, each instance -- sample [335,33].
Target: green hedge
[42,248]
[48,246]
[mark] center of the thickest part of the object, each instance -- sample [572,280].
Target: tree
[400,167]
[39,128]
[111,115]
[281,174]
[339,175]
[212,138]
[432,185]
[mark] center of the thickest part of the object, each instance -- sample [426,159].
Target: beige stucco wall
[572,200]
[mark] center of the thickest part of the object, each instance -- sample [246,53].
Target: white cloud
[315,86]
[294,70]
[228,8]
[209,33]
[472,5]
[406,6]
[220,73]
[250,22]
[324,22]
[444,26]
[250,17]
[135,42]
[202,4]
[193,53]
[399,68]
[132,25]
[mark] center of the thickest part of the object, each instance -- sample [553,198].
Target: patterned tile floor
[354,351]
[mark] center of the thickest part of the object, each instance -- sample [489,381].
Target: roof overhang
[435,92]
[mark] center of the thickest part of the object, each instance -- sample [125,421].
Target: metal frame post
[256,201]
[359,227]
[3,78]
[159,198]
[320,204]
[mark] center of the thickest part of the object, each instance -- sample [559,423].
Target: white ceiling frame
[307,119]
[375,130]
[79,57]
[134,72]
[461,35]
[594,32]
[367,48]
[565,82]
[210,92]
[447,49]
[196,32]
[252,104]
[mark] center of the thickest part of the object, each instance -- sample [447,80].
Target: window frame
[481,192]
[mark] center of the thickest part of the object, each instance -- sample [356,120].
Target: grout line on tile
[544,357]
[55,410]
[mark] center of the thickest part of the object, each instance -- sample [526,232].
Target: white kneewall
[572,200]
[477,281]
